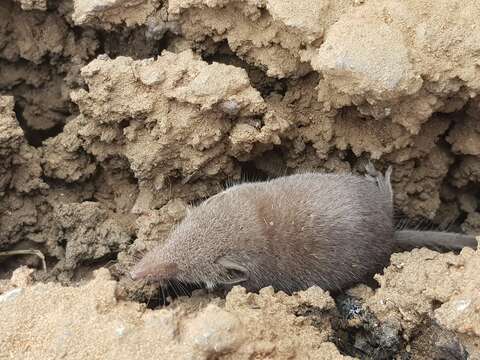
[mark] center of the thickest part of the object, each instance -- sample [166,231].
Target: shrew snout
[149,270]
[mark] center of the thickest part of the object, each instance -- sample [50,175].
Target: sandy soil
[116,115]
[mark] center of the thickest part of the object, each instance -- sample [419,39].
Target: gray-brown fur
[292,232]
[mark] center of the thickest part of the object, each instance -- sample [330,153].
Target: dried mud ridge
[115,115]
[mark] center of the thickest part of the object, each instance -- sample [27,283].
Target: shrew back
[314,229]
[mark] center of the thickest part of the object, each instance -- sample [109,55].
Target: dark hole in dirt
[459,221]
[250,173]
[348,112]
[269,164]
[62,242]
[265,84]
[365,338]
[438,343]
[85,269]
[316,315]
[35,137]
[350,157]
[124,123]
[166,41]
[436,304]
[164,296]
[132,43]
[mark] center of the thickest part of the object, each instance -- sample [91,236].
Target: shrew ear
[236,271]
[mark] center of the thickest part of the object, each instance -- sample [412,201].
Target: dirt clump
[89,321]
[426,304]
[424,287]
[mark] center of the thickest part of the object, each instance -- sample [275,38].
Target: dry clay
[424,286]
[50,321]
[419,289]
[33,4]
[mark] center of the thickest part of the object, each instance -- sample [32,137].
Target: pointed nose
[137,275]
[156,271]
[141,270]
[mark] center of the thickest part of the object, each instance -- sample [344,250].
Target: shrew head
[198,251]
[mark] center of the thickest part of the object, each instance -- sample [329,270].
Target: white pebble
[461,305]
[10,295]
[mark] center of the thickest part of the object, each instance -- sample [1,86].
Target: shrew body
[292,232]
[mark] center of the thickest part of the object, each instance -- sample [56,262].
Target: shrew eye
[237,272]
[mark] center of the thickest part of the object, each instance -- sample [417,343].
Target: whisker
[149,298]
[172,287]
[164,300]
[178,287]
[185,289]
[167,292]
[181,288]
